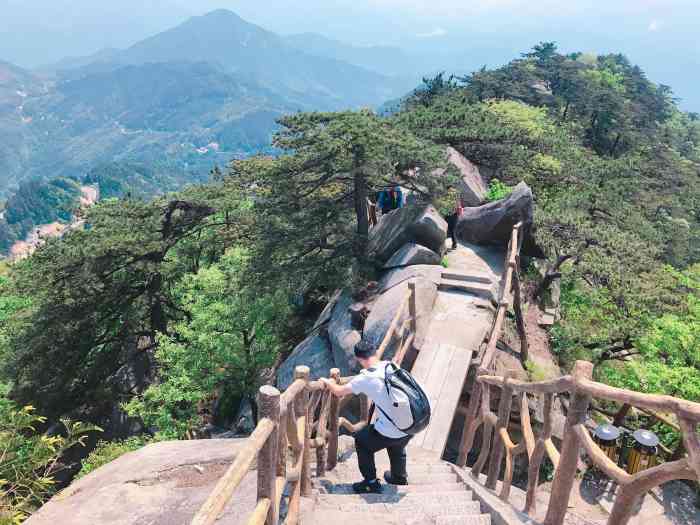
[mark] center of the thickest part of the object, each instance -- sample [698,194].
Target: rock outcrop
[419,224]
[411,254]
[473,188]
[161,484]
[494,222]
[315,352]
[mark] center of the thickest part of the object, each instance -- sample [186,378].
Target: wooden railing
[576,439]
[509,286]
[306,417]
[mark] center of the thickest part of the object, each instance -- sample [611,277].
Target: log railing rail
[576,440]
[304,418]
[510,285]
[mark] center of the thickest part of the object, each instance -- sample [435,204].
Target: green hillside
[37,202]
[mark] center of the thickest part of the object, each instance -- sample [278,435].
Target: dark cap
[365,349]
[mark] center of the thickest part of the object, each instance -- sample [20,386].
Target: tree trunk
[361,211]
[614,147]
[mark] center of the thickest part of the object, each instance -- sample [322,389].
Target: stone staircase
[435,496]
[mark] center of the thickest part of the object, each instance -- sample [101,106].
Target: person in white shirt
[382,434]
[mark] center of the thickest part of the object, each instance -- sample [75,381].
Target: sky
[462,35]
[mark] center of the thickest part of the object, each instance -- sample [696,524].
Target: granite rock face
[494,222]
[473,189]
[411,254]
[418,224]
[314,352]
[161,484]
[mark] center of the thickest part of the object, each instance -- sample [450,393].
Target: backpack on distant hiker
[411,407]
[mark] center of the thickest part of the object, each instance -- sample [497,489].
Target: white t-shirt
[370,382]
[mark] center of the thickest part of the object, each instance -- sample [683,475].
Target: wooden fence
[496,443]
[576,440]
[305,418]
[510,290]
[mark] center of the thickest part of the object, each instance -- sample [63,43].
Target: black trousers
[368,441]
[452,228]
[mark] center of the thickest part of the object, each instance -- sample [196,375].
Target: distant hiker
[382,434]
[384,202]
[452,221]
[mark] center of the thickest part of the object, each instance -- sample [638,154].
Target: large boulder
[494,222]
[342,335]
[161,484]
[314,352]
[419,224]
[473,188]
[385,307]
[330,344]
[397,276]
[411,254]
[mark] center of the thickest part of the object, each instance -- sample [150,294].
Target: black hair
[365,349]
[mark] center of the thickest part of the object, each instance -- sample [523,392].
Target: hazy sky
[660,35]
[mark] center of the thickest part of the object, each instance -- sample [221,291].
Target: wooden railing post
[300,402]
[412,306]
[269,407]
[321,433]
[471,420]
[568,461]
[504,408]
[519,318]
[533,472]
[305,475]
[334,418]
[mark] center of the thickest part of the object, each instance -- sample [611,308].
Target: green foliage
[535,372]
[231,334]
[667,355]
[444,262]
[107,451]
[497,191]
[29,459]
[310,202]
[99,296]
[34,203]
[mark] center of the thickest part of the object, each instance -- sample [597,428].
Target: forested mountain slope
[216,77]
[184,100]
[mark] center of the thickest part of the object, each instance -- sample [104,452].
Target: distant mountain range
[193,96]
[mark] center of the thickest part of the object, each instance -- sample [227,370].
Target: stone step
[456,519]
[414,478]
[486,291]
[449,498]
[413,509]
[452,275]
[405,489]
[383,465]
[481,519]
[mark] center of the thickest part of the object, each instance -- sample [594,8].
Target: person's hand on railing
[335,389]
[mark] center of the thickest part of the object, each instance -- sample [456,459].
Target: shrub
[107,451]
[497,191]
[29,459]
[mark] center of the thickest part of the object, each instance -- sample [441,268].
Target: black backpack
[409,398]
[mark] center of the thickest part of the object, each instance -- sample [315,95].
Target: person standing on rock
[452,221]
[380,435]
